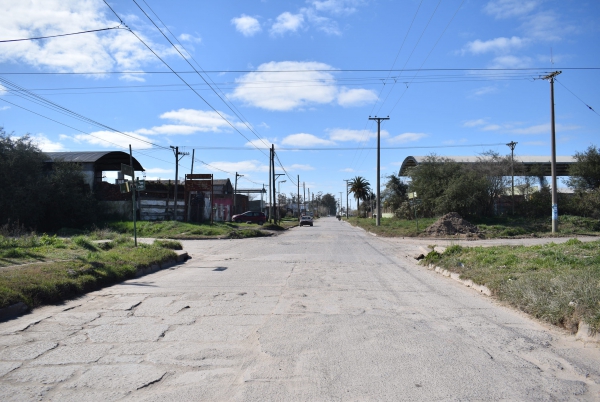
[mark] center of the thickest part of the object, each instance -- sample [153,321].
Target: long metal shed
[93,163]
[562,163]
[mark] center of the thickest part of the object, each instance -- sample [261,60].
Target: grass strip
[53,282]
[557,283]
[392,227]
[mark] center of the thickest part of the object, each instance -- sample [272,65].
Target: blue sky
[303,74]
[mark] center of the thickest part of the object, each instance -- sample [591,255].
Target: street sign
[127,170]
[140,185]
[412,195]
[125,187]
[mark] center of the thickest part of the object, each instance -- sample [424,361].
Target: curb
[20,308]
[467,282]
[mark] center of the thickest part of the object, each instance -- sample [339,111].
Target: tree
[585,172]
[38,198]
[329,201]
[395,193]
[360,187]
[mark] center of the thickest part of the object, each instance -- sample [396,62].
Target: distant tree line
[474,190]
[37,198]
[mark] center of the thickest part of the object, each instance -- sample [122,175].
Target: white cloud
[497,45]
[4,108]
[296,167]
[303,88]
[287,22]
[356,97]
[325,24]
[189,121]
[246,25]
[342,134]
[349,170]
[485,90]
[242,166]
[492,127]
[336,6]
[159,170]
[102,51]
[296,85]
[546,26]
[510,61]
[3,90]
[111,139]
[304,140]
[261,144]
[544,129]
[46,145]
[474,123]
[407,137]
[190,38]
[510,8]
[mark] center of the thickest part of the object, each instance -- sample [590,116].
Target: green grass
[495,227]
[87,268]
[514,227]
[168,244]
[187,231]
[392,227]
[558,283]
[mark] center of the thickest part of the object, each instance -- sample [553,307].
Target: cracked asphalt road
[317,313]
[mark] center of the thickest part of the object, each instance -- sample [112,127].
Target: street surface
[315,314]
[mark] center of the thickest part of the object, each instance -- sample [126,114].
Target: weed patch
[558,283]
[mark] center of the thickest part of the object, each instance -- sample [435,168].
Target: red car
[250,217]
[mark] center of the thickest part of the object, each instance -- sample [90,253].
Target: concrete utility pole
[192,170]
[304,195]
[341,204]
[177,159]
[298,199]
[378,119]
[550,77]
[235,193]
[270,187]
[347,180]
[133,196]
[512,146]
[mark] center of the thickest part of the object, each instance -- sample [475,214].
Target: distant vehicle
[306,220]
[250,217]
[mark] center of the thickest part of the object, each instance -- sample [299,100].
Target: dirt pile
[452,224]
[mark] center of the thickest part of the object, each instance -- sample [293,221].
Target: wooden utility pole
[378,119]
[274,178]
[347,180]
[192,171]
[270,187]
[512,146]
[298,199]
[551,77]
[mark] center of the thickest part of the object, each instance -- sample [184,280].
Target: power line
[332,70]
[286,173]
[348,148]
[58,36]
[236,111]
[26,94]
[181,78]
[588,106]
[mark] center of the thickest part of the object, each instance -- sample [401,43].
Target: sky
[455,77]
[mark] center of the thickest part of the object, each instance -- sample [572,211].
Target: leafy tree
[585,172]
[37,198]
[395,193]
[360,187]
[329,201]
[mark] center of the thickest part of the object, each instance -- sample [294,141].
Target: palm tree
[360,187]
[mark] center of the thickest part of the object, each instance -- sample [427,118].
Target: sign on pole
[127,170]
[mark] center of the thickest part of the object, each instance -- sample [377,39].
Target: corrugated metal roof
[562,162]
[108,160]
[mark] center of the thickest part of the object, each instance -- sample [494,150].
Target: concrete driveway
[317,313]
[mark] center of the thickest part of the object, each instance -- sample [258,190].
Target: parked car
[306,220]
[250,217]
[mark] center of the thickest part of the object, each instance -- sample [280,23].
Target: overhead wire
[181,78]
[581,100]
[58,36]
[31,96]
[229,104]
[285,171]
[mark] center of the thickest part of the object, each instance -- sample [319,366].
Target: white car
[306,220]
